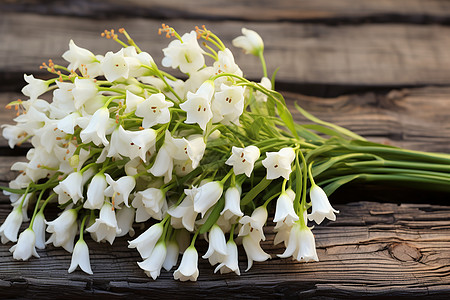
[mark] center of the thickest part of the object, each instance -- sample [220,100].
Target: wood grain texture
[368,55]
[417,119]
[373,249]
[388,62]
[415,11]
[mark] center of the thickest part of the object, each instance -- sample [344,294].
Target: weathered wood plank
[366,55]
[372,250]
[415,11]
[416,119]
[5,166]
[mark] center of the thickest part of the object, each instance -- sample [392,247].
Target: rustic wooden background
[380,68]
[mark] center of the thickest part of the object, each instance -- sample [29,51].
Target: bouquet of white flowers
[123,142]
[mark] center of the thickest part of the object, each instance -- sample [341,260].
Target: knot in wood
[404,252]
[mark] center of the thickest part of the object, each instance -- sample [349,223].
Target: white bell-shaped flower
[68,123]
[119,190]
[278,164]
[198,105]
[243,159]
[63,101]
[35,87]
[301,244]
[85,90]
[95,192]
[152,201]
[125,219]
[217,249]
[147,240]
[188,268]
[70,188]
[253,250]
[141,214]
[105,226]
[207,195]
[63,230]
[136,60]
[231,262]
[232,208]
[250,42]
[196,79]
[260,96]
[96,129]
[228,104]
[94,104]
[284,211]
[77,56]
[10,227]
[132,101]
[80,257]
[184,215]
[132,144]
[171,255]
[142,142]
[153,264]
[39,230]
[24,202]
[120,143]
[25,246]
[13,134]
[185,54]
[163,164]
[182,167]
[154,110]
[190,150]
[321,207]
[282,233]
[254,223]
[225,64]
[115,66]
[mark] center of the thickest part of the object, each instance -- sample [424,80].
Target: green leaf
[212,219]
[272,80]
[261,186]
[284,112]
[306,134]
[330,188]
[331,125]
[322,129]
[255,128]
[318,169]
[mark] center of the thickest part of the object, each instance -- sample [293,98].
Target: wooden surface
[380,68]
[373,249]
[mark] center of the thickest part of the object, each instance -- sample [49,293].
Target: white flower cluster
[123,142]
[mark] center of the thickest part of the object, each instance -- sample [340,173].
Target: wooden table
[379,68]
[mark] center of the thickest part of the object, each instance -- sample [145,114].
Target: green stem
[194,238]
[310,174]
[271,198]
[46,202]
[305,179]
[36,208]
[230,239]
[412,165]
[403,153]
[161,76]
[298,182]
[82,227]
[110,100]
[224,179]
[263,63]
